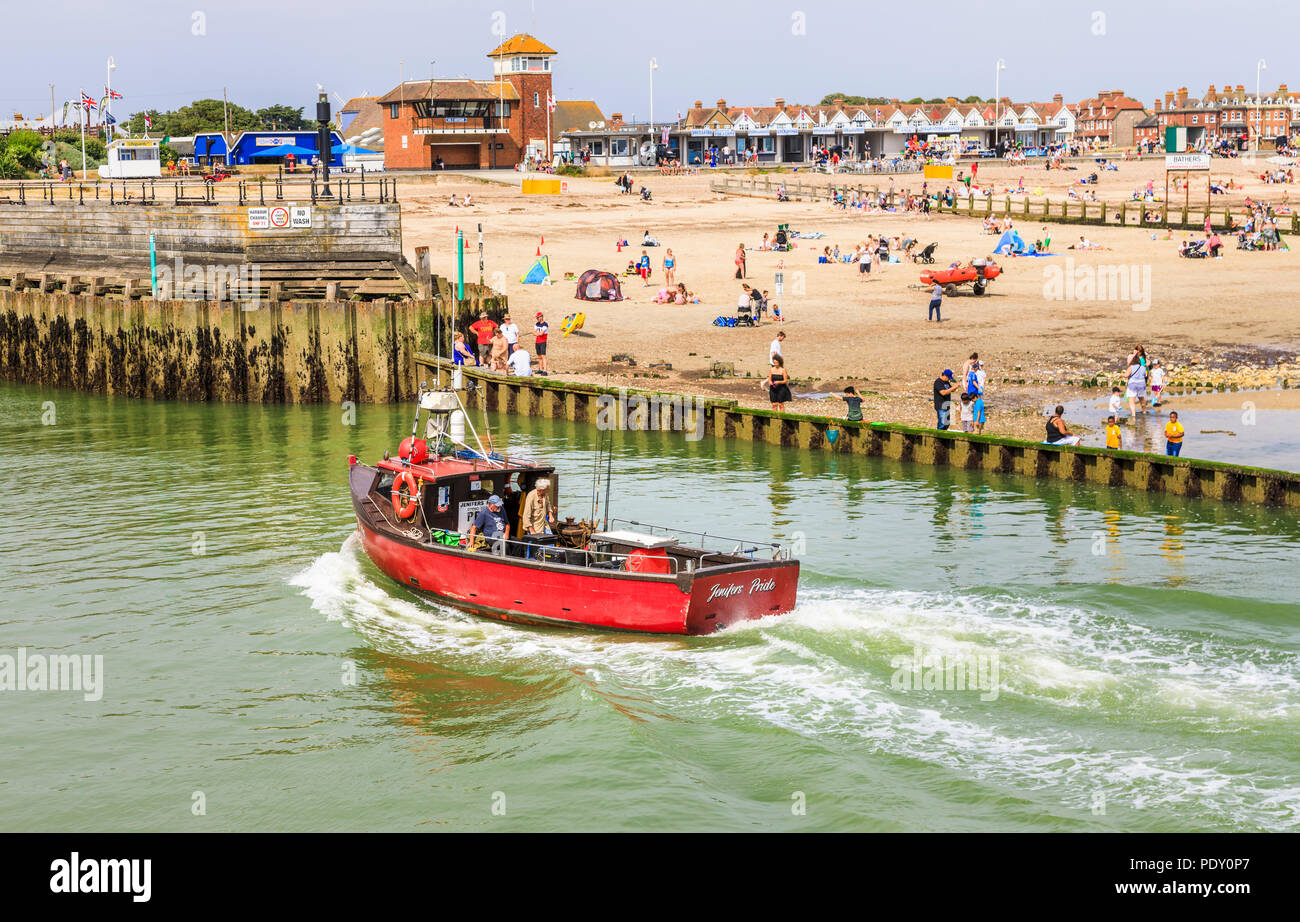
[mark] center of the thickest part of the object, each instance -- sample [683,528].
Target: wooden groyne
[723,419]
[1030,208]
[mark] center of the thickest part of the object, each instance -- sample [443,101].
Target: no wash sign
[279,217]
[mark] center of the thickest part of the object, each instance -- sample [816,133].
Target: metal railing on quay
[189,191]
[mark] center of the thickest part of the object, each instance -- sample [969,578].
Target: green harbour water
[1147,647]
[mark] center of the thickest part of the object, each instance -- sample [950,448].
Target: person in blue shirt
[491,524]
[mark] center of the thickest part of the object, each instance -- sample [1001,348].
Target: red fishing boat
[415,513]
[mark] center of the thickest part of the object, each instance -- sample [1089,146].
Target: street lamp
[1259,121]
[654,66]
[997,96]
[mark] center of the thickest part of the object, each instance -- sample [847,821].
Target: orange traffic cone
[620,245]
[539,251]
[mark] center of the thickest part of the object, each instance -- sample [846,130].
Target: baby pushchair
[782,239]
[1195,249]
[927,254]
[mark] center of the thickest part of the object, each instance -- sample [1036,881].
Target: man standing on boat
[491,524]
[539,514]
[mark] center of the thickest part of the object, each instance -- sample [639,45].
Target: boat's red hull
[534,593]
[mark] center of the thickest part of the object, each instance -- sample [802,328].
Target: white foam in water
[823,671]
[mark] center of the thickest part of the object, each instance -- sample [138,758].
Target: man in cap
[483,330]
[539,514]
[944,385]
[491,524]
[540,331]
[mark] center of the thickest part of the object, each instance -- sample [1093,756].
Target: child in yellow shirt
[1112,433]
[1173,435]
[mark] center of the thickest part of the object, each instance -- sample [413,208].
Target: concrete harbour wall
[723,419]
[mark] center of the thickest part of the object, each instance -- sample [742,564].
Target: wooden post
[331,291]
[424,273]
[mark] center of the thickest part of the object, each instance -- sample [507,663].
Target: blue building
[210,146]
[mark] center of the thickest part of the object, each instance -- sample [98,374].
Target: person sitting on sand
[648,241]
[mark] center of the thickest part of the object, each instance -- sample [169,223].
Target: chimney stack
[779,103]
[1058,99]
[1158,109]
[722,104]
[699,104]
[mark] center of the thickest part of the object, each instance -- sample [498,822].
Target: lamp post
[1259,119]
[654,66]
[324,140]
[997,97]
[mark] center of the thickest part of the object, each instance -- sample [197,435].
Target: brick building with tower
[473,124]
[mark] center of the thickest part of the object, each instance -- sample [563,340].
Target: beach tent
[539,274]
[1011,243]
[594,285]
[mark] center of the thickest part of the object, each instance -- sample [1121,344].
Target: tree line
[849,100]
[211,114]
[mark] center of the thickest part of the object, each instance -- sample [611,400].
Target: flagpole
[83,134]
[108,89]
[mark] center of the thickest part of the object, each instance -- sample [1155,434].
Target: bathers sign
[1187,161]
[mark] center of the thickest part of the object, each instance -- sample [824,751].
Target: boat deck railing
[591,559]
[713,544]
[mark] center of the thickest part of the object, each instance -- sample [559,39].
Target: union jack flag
[87,102]
[112,94]
[550,102]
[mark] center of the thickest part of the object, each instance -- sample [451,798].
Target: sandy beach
[1209,321]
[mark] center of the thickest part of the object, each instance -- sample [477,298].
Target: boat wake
[1033,699]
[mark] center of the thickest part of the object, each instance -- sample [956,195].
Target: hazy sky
[746,51]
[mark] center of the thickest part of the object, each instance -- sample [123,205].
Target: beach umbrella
[351,149]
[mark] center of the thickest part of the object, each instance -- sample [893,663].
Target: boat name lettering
[726,592]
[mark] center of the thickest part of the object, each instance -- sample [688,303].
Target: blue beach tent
[1010,242]
[539,273]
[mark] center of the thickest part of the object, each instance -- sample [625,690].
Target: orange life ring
[405,511]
